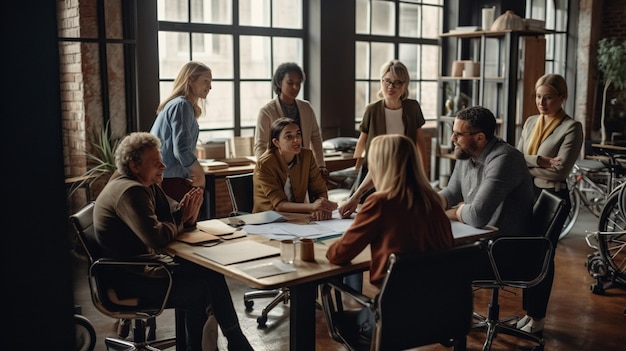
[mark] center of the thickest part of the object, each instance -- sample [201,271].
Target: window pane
[381,53]
[383,18]
[254,95]
[287,14]
[254,13]
[362,62]
[255,57]
[430,61]
[362,17]
[561,16]
[172,10]
[428,99]
[216,52]
[431,25]
[218,112]
[409,55]
[287,50]
[173,53]
[214,11]
[409,20]
[165,88]
[361,99]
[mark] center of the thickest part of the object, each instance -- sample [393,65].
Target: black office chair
[433,290]
[505,255]
[111,282]
[241,191]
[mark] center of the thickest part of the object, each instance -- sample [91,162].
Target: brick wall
[613,19]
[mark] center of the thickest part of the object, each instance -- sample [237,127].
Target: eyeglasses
[396,83]
[461,134]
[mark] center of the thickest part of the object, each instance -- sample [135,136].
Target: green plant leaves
[612,61]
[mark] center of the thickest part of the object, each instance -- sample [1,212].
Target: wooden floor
[577,319]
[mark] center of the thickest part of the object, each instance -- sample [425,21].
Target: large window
[405,30]
[242,41]
[555,14]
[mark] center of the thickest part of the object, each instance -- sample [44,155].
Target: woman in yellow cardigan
[287,178]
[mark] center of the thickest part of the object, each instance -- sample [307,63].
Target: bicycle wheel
[594,196]
[572,216]
[613,246]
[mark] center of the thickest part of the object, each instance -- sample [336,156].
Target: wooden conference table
[303,282]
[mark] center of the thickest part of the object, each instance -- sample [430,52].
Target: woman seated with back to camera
[286,176]
[403,215]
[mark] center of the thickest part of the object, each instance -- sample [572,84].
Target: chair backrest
[241,191]
[434,290]
[113,282]
[83,226]
[549,214]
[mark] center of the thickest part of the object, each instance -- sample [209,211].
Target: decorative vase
[507,21]
[450,106]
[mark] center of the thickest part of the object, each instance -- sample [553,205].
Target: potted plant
[100,163]
[611,62]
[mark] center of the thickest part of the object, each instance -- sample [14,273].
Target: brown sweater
[389,227]
[131,219]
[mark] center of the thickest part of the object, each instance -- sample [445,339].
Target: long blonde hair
[396,169]
[187,74]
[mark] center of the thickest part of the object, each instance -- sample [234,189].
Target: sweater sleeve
[136,208]
[361,233]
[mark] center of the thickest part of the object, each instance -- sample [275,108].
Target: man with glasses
[490,184]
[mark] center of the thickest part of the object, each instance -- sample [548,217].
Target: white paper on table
[314,230]
[290,230]
[461,230]
[265,269]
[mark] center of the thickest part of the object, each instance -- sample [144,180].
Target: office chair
[433,290]
[109,283]
[241,191]
[505,255]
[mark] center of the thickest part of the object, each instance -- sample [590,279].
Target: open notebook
[236,252]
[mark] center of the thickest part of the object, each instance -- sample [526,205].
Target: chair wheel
[261,321]
[597,289]
[85,334]
[123,328]
[248,304]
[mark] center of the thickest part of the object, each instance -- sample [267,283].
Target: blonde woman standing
[551,143]
[394,113]
[176,125]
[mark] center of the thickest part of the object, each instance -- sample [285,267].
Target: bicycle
[608,264]
[590,183]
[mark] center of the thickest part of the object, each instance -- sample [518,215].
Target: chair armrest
[362,299]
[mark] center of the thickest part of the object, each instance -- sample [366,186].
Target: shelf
[488,33]
[510,64]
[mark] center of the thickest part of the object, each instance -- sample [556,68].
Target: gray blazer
[566,141]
